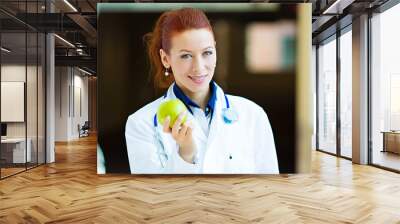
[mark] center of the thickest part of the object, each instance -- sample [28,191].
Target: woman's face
[192,59]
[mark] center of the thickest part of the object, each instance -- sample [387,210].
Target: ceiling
[76,22]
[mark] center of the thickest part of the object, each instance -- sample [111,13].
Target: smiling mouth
[198,78]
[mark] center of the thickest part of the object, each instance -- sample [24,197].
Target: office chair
[84,130]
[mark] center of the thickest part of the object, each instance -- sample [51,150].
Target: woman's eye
[208,52]
[185,56]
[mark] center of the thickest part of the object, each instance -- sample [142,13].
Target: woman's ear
[164,58]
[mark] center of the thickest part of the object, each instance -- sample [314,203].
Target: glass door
[22,78]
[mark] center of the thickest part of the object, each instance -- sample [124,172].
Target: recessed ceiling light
[5,50]
[84,71]
[337,7]
[71,6]
[64,40]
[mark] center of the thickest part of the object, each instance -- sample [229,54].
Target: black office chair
[84,130]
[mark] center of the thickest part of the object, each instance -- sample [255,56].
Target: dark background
[124,85]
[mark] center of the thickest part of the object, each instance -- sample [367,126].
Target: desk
[15,148]
[391,141]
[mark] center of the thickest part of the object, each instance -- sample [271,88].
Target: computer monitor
[3,129]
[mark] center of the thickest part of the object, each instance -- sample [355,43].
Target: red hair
[168,24]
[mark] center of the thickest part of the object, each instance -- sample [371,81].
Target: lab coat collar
[189,103]
[217,98]
[219,104]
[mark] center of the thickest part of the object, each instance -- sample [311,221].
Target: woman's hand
[183,136]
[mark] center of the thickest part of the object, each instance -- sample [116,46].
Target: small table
[391,141]
[15,148]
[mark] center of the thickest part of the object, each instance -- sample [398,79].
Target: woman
[223,133]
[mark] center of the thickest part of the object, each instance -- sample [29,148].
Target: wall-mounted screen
[199,88]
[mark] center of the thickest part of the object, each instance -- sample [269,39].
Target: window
[385,88]
[346,94]
[327,97]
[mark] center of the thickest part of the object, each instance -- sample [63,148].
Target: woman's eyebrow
[191,51]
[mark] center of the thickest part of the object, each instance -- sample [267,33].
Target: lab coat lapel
[217,114]
[166,138]
[197,130]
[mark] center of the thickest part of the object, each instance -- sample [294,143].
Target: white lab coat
[243,147]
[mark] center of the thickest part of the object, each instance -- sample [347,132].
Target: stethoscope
[229,116]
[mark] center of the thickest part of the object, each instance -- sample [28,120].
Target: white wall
[14,73]
[71,94]
[80,110]
[61,103]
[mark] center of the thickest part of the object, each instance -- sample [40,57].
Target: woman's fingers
[189,131]
[166,127]
[177,125]
[182,132]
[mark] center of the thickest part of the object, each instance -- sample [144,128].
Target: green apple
[171,108]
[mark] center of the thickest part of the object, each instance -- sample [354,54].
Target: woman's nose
[198,65]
